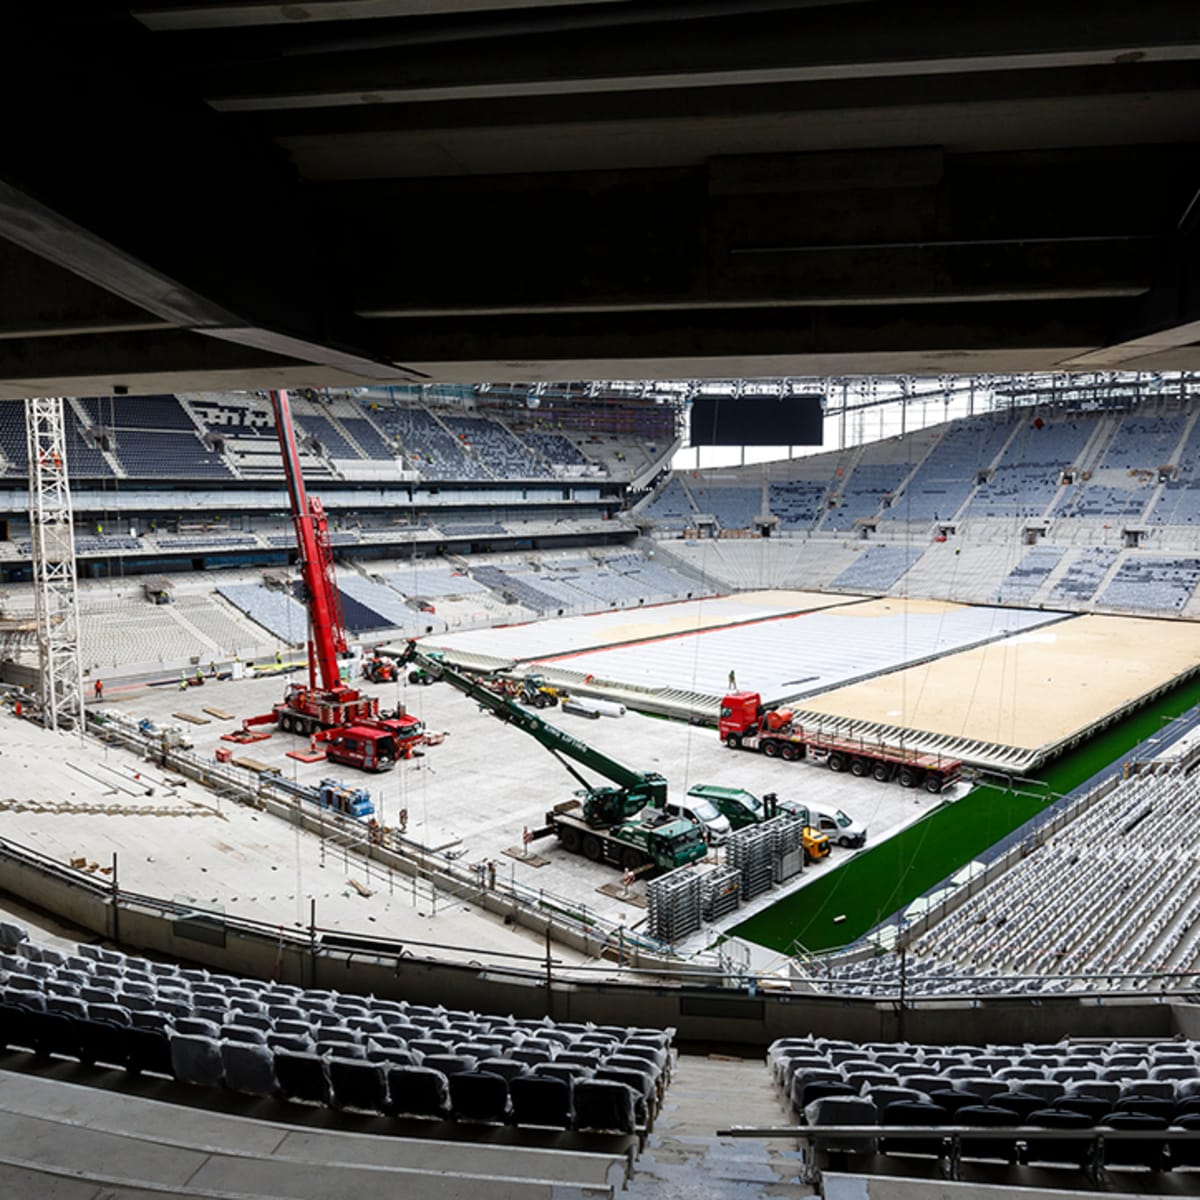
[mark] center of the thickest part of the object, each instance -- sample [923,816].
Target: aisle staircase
[683,1159]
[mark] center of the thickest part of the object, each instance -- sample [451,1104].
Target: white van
[839,826]
[705,814]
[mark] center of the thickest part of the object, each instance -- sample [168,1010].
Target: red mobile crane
[342,717]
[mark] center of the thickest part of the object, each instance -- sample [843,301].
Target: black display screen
[757,420]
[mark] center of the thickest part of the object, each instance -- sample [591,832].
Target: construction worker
[183,681]
[98,689]
[212,670]
[199,676]
[278,659]
[732,681]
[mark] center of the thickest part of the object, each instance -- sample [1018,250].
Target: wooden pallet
[252,764]
[191,717]
[530,860]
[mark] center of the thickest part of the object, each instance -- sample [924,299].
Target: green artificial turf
[875,884]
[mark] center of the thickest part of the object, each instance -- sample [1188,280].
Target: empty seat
[147,1050]
[982,1086]
[389,1057]
[505,1067]
[579,1057]
[859,1080]
[881,1097]
[286,1041]
[197,1060]
[1045,1089]
[243,1033]
[571,1072]
[818,1089]
[149,1019]
[479,1096]
[101,1043]
[1011,1074]
[196,1026]
[923,1081]
[540,1101]
[53,1033]
[642,1086]
[1163,1089]
[302,1076]
[1090,1106]
[801,1078]
[914,1114]
[950,1100]
[67,1006]
[1186,1153]
[604,1106]
[1070,1150]
[843,1110]
[449,1064]
[357,1084]
[527,1057]
[1019,1103]
[1101,1089]
[425,1046]
[417,1092]
[11,936]
[988,1116]
[249,1020]
[249,1068]
[1150,1106]
[1148,1151]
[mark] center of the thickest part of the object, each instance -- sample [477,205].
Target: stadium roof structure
[212,193]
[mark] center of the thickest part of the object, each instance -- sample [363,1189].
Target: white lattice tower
[56,598]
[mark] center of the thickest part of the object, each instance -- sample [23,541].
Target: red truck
[365,747]
[747,724]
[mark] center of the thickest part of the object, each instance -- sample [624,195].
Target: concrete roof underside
[232,193]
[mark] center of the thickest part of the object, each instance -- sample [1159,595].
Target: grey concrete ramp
[254,1158]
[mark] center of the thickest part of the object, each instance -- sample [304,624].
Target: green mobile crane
[625,824]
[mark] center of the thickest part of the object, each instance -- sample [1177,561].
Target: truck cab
[358,746]
[668,842]
[739,717]
[741,808]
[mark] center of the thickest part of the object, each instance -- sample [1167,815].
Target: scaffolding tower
[55,589]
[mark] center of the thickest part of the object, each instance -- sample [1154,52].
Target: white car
[705,814]
[839,826]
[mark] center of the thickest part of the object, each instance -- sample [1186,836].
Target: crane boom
[331,705]
[327,630]
[635,789]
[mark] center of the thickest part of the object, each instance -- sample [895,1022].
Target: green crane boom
[634,790]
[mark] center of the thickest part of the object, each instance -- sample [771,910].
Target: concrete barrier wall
[702,1015]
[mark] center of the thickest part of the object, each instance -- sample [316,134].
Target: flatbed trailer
[746,725]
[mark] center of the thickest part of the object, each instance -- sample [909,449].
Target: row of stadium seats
[1011,937]
[1134,1087]
[1003,465]
[327,1048]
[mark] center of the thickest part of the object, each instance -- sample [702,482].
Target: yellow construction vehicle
[537,693]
